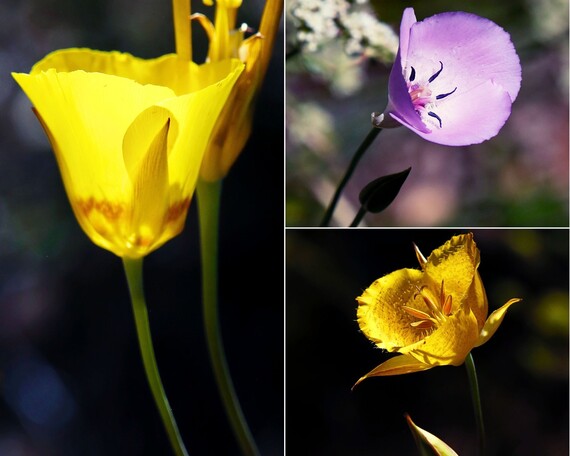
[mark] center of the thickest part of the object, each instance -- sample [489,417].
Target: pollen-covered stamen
[439,307]
[423,324]
[432,306]
[447,305]
[426,321]
[446,301]
[416,313]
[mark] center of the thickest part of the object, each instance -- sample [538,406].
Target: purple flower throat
[421,94]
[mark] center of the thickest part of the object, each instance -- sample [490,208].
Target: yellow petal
[455,263]
[201,110]
[169,70]
[76,108]
[145,150]
[380,314]
[398,365]
[436,444]
[449,343]
[493,322]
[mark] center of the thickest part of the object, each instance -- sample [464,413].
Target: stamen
[437,73]
[443,95]
[424,324]
[416,313]
[447,304]
[412,74]
[433,114]
[432,307]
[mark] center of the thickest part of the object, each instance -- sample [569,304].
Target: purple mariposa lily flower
[454,79]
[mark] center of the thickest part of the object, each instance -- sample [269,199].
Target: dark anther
[436,74]
[433,114]
[443,95]
[412,74]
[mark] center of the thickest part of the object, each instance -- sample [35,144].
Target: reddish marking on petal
[177,210]
[111,211]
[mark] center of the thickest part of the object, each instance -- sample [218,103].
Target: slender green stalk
[208,211]
[351,167]
[133,271]
[359,216]
[475,396]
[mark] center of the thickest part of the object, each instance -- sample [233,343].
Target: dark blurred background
[518,178]
[71,378]
[522,369]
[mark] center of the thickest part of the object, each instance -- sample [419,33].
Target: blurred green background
[71,377]
[522,369]
[518,178]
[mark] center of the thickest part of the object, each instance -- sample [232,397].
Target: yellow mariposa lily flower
[434,316]
[234,125]
[129,136]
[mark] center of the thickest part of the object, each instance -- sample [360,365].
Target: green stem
[476,398]
[208,211]
[359,216]
[133,271]
[351,167]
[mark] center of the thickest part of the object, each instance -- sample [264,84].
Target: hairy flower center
[422,97]
[439,308]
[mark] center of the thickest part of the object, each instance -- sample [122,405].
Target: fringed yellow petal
[380,314]
[436,444]
[400,364]
[455,263]
[493,322]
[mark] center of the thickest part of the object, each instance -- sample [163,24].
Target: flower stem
[359,216]
[351,167]
[208,211]
[133,271]
[475,396]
